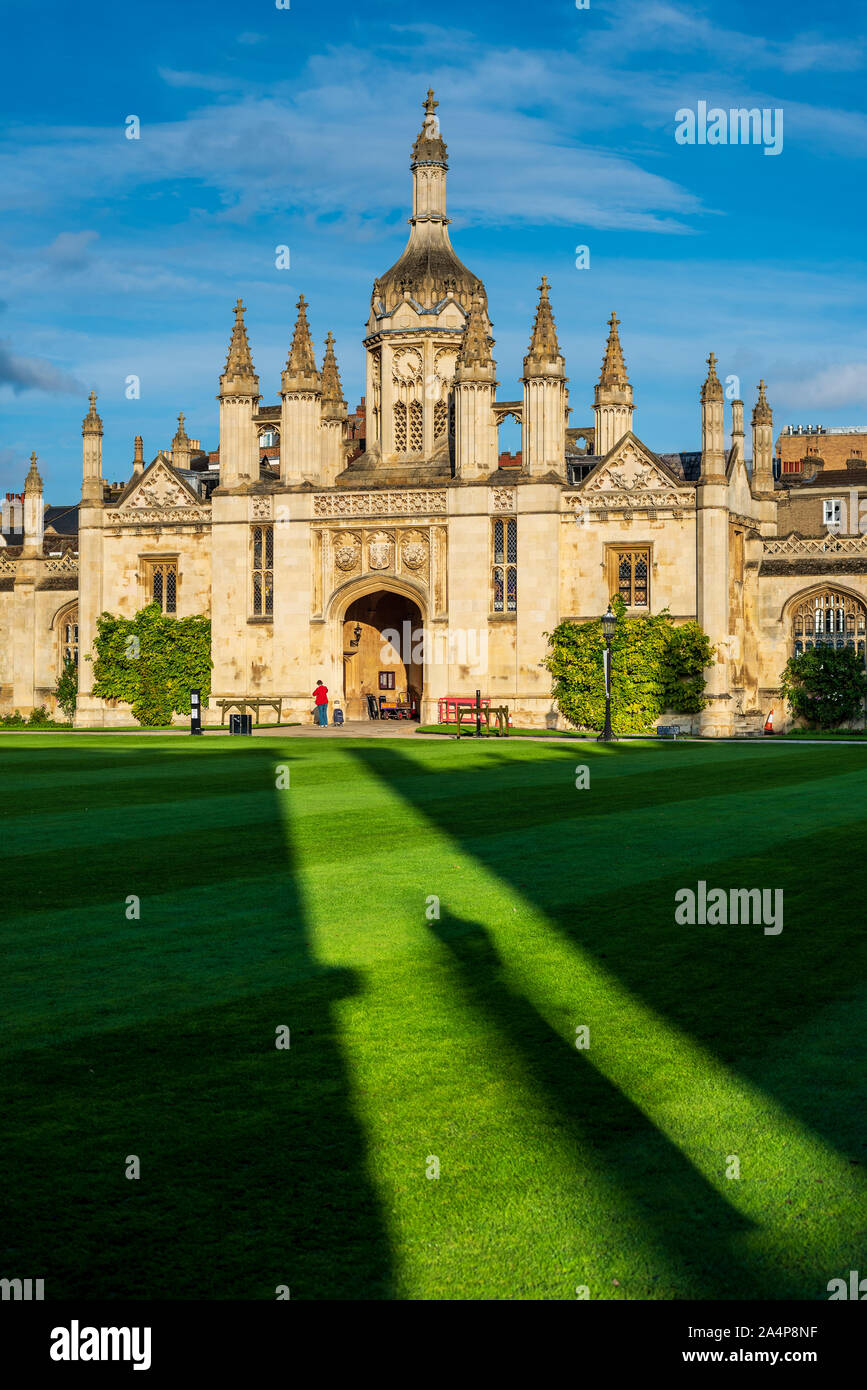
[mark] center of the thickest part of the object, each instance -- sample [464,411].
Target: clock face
[445,364]
[407,364]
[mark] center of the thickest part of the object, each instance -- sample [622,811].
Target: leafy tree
[825,686]
[152,662]
[66,690]
[655,666]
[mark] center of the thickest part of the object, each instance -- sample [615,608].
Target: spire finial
[544,347]
[712,388]
[239,363]
[33,482]
[475,349]
[762,413]
[302,359]
[613,366]
[430,105]
[91,424]
[332,391]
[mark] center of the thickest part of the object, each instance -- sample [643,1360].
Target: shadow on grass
[688,1218]
[747,998]
[253,1164]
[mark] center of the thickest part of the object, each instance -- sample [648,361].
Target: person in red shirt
[320,696]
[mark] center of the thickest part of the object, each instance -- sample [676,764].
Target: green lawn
[414,1037]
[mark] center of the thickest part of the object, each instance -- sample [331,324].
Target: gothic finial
[712,388]
[762,413]
[543,342]
[91,424]
[613,366]
[239,362]
[302,360]
[33,482]
[475,350]
[332,391]
[430,105]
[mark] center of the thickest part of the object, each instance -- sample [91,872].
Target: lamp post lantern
[609,622]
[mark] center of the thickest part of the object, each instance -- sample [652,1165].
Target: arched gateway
[380,634]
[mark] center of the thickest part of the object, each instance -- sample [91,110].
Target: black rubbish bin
[241,724]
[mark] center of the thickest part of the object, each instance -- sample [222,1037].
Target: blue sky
[263,127]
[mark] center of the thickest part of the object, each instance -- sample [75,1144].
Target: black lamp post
[609,622]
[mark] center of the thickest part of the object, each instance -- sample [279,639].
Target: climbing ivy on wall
[655,666]
[152,662]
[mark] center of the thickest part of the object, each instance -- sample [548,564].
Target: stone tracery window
[161,579]
[416,427]
[400,427]
[629,575]
[829,619]
[263,571]
[69,638]
[505,568]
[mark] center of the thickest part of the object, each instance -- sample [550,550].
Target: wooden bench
[499,714]
[251,703]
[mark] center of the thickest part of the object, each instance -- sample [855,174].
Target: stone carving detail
[413,550]
[628,474]
[66,564]
[654,499]
[7,565]
[262,508]
[504,499]
[380,549]
[160,490]
[140,517]
[378,503]
[347,550]
[816,545]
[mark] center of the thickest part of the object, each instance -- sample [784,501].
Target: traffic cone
[769,723]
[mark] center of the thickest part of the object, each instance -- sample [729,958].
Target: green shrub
[655,666]
[66,690]
[825,686]
[152,662]
[13,721]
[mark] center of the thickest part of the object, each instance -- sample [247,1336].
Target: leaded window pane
[512,588]
[499,554]
[498,590]
[512,541]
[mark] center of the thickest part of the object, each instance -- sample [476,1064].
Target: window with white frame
[833,512]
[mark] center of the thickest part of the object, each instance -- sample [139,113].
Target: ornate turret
[333,416]
[239,396]
[301,372]
[474,391]
[545,400]
[763,444]
[543,356]
[91,454]
[181,445]
[239,378]
[301,412]
[333,404]
[34,512]
[138,455]
[428,271]
[475,361]
[712,426]
[613,395]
